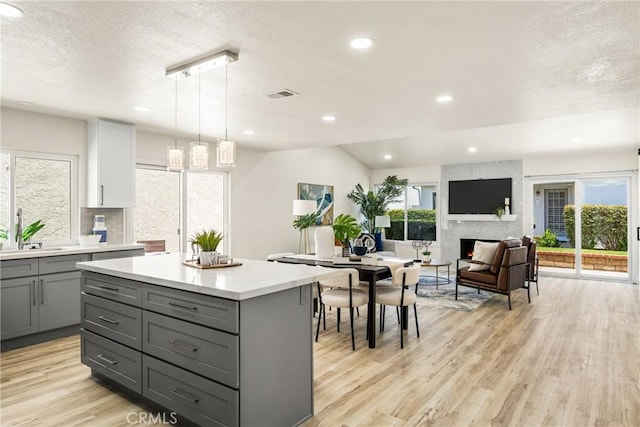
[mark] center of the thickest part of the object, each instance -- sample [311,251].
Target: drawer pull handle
[183,345]
[188,307]
[184,395]
[106,319]
[106,359]
[109,288]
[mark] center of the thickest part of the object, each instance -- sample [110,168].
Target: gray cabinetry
[19,315]
[214,361]
[43,294]
[97,256]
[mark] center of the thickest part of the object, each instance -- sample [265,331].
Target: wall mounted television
[479,196]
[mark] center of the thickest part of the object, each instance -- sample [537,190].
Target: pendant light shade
[226,153]
[226,150]
[175,154]
[199,156]
[199,152]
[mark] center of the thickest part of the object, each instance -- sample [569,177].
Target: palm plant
[374,203]
[208,240]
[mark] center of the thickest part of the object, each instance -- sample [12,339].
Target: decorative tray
[193,263]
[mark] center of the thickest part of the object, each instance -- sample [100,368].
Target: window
[170,202]
[157,212]
[414,216]
[45,187]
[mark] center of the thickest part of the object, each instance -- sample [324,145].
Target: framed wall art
[323,195]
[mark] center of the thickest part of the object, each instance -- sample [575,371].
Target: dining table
[367,273]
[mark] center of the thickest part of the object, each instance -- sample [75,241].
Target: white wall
[610,160]
[264,185]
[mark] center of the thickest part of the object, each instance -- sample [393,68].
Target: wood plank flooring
[570,358]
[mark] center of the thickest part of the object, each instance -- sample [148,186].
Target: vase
[323,240]
[378,237]
[208,258]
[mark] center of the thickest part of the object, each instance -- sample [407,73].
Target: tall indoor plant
[375,202]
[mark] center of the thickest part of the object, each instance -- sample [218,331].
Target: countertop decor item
[89,240]
[345,228]
[194,263]
[207,242]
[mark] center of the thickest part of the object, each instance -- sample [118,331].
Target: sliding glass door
[581,225]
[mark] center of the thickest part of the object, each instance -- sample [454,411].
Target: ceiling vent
[284,93]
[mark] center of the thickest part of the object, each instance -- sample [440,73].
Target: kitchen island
[224,346]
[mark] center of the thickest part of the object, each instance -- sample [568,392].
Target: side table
[437,264]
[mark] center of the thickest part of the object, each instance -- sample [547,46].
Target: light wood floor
[571,358]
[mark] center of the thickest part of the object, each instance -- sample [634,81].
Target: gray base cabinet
[215,362]
[42,294]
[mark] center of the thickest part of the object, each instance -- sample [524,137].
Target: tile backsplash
[114,218]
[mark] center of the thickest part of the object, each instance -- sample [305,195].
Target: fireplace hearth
[466,247]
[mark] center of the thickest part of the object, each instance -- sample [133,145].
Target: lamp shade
[383,221]
[199,156]
[304,207]
[175,158]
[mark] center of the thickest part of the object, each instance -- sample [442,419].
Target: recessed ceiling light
[329,118]
[10,11]
[472,149]
[26,103]
[141,108]
[361,43]
[576,139]
[248,132]
[388,156]
[444,98]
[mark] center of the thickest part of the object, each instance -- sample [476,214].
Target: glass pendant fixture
[175,154]
[226,150]
[199,152]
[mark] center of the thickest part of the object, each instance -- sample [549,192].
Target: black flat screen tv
[479,196]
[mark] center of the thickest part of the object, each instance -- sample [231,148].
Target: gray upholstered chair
[340,291]
[402,293]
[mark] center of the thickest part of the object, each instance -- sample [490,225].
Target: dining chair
[400,295]
[339,291]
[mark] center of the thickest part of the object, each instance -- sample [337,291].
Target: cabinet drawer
[97,256]
[18,268]
[113,288]
[202,401]
[208,352]
[113,320]
[205,310]
[114,361]
[59,264]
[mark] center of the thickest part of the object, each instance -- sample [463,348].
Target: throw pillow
[483,252]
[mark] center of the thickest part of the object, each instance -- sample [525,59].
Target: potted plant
[374,202]
[30,230]
[207,242]
[499,211]
[302,223]
[345,228]
[426,256]
[4,236]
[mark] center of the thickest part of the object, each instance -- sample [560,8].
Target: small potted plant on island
[207,242]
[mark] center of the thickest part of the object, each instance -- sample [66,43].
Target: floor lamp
[304,207]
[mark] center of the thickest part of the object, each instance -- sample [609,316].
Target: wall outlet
[304,295]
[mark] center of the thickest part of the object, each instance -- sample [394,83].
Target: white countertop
[7,254]
[251,279]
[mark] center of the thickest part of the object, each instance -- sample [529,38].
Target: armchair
[507,272]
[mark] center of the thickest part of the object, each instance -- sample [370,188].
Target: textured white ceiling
[527,77]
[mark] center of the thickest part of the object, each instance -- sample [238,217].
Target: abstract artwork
[323,195]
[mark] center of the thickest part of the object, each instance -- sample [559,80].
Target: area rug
[444,297]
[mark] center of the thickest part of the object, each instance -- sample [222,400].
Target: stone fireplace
[466,247]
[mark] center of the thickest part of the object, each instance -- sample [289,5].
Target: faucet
[19,229]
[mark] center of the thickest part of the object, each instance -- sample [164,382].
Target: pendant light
[175,154]
[199,152]
[226,149]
